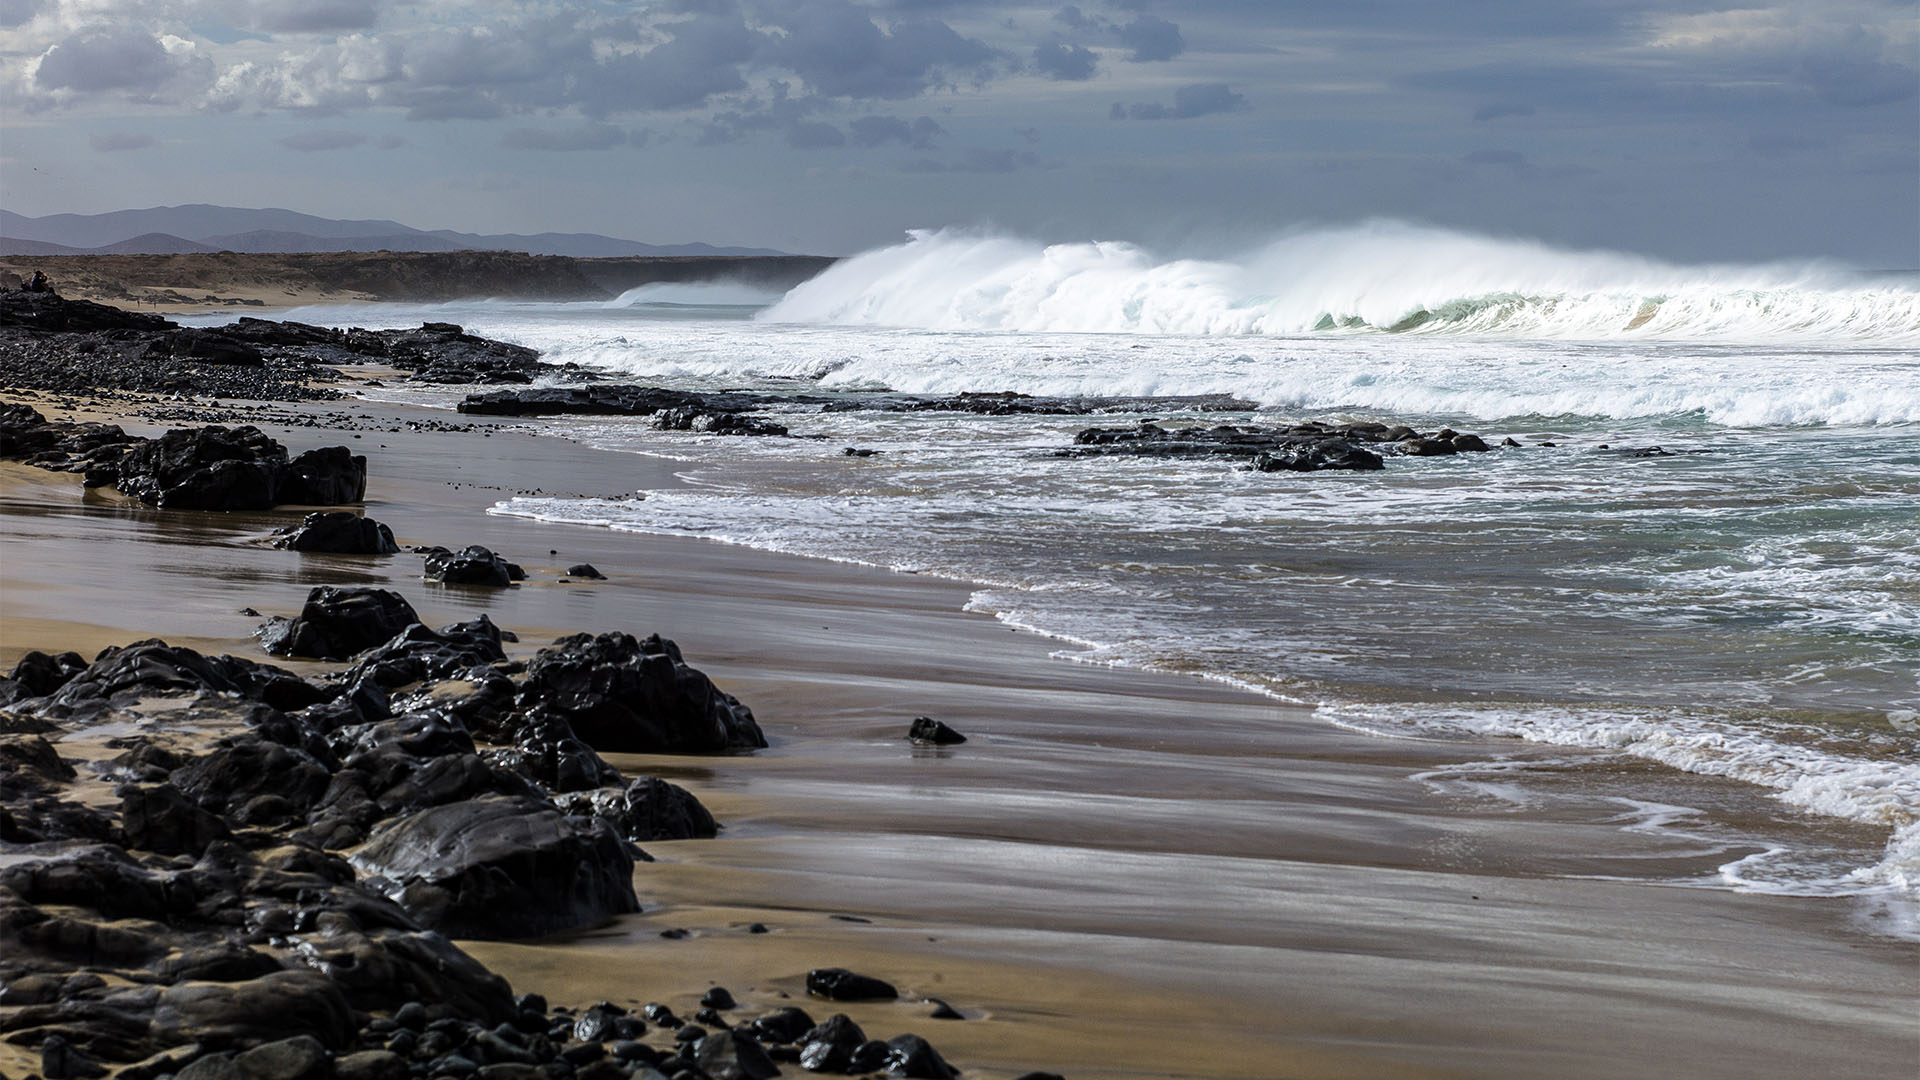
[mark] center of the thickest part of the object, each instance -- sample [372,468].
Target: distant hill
[202,227]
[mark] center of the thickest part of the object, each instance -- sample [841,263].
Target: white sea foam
[1373,277]
[1881,790]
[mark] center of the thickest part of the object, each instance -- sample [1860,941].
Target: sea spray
[1380,276]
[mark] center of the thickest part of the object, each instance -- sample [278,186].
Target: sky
[1694,130]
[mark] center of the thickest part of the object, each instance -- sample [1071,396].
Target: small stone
[689,1033]
[733,1055]
[914,1057]
[757,928]
[211,1067]
[676,934]
[711,1018]
[839,984]
[61,1060]
[943,1011]
[585,570]
[926,729]
[718,998]
[1039,1076]
[370,1065]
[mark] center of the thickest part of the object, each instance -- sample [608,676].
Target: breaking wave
[1376,277]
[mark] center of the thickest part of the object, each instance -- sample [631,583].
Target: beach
[1121,874]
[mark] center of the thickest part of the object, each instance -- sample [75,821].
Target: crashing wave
[1377,277]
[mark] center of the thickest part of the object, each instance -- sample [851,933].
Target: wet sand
[1121,874]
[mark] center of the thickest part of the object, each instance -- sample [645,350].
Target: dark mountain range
[167,230]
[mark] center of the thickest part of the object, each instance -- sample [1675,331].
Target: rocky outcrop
[626,695]
[1305,447]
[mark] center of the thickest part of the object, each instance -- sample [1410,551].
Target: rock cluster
[274,899]
[209,468]
[1305,447]
[51,343]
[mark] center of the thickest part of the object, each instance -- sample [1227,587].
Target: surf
[1376,277]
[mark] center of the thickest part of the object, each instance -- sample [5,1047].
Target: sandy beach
[1120,874]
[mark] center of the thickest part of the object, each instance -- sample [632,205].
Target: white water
[1373,277]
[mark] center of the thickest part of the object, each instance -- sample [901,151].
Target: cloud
[699,61]
[1499,111]
[1510,158]
[977,160]
[116,141]
[390,142]
[129,60]
[311,16]
[838,50]
[1151,38]
[1196,99]
[585,137]
[18,12]
[309,142]
[815,135]
[1071,63]
[871,131]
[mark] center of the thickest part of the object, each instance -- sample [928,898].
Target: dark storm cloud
[585,137]
[871,131]
[700,61]
[1071,63]
[317,141]
[112,142]
[16,12]
[1197,99]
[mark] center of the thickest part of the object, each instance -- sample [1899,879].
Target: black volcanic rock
[339,621]
[925,729]
[217,468]
[502,868]
[338,532]
[839,984]
[472,565]
[1313,457]
[624,695]
[647,809]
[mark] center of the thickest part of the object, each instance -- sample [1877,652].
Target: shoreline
[1305,902]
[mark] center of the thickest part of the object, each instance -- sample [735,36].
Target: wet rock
[783,1025]
[733,1055]
[244,768]
[1040,1076]
[29,763]
[212,1067]
[270,1007]
[628,696]
[718,998]
[912,1056]
[338,532]
[339,621]
[546,752]
[943,1011]
[585,570]
[39,674]
[927,730]
[61,1060]
[419,654]
[299,1058]
[716,423]
[210,346]
[502,868]
[1313,457]
[647,809]
[158,818]
[473,565]
[370,1065]
[839,984]
[216,468]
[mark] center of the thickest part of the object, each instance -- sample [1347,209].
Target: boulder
[472,565]
[912,1056]
[258,1010]
[646,809]
[585,570]
[299,1058]
[623,695]
[502,868]
[339,621]
[327,476]
[733,1055]
[337,532]
[39,674]
[209,468]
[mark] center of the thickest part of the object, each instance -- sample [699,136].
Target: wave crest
[1376,277]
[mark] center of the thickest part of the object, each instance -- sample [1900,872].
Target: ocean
[1724,633]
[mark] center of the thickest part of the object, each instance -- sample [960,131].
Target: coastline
[1247,892]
